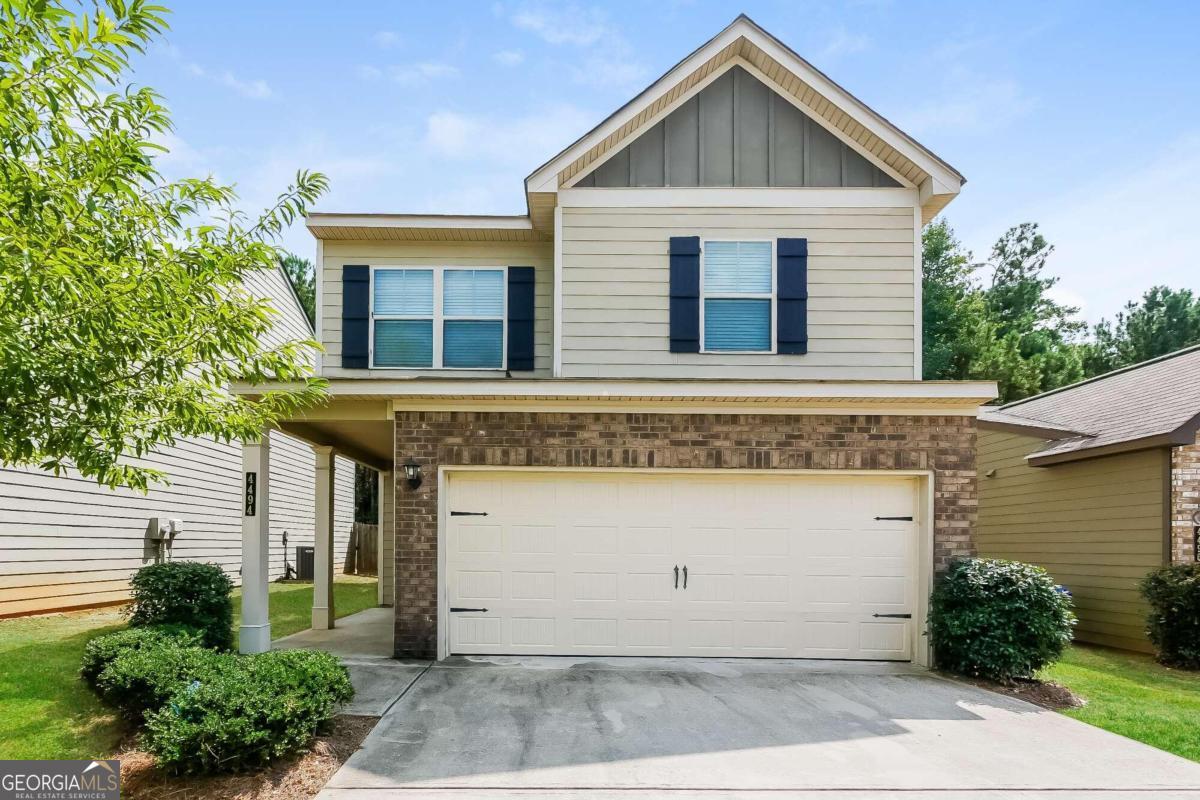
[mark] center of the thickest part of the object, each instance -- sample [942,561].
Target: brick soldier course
[943,444]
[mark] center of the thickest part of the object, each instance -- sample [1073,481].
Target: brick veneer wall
[944,444]
[1185,500]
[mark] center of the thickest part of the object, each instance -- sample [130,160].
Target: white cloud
[522,142]
[968,103]
[386,39]
[604,71]
[608,59]
[1123,232]
[254,89]
[368,72]
[843,43]
[416,74]
[509,58]
[569,24]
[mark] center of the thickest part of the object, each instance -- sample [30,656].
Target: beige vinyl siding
[66,542]
[539,255]
[1096,525]
[616,280]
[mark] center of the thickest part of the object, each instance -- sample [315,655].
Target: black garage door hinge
[468,513]
[896,519]
[455,610]
[889,616]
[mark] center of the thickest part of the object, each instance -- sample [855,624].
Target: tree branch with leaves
[124,315]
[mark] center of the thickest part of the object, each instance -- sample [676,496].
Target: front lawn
[1131,694]
[47,712]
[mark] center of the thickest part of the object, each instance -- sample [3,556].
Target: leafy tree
[300,272]
[1010,331]
[951,307]
[123,317]
[1164,321]
[1027,323]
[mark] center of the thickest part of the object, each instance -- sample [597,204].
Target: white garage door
[580,563]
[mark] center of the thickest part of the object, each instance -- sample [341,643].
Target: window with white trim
[737,297]
[438,317]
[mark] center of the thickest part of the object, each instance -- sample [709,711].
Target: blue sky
[1082,116]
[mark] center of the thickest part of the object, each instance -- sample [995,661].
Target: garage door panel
[576,563]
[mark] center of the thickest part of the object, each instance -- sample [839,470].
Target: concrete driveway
[634,728]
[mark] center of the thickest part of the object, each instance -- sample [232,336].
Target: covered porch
[362,431]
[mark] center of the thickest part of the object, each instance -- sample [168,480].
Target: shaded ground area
[294,779]
[504,727]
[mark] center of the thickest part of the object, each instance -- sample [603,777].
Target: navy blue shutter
[685,294]
[791,331]
[520,318]
[356,316]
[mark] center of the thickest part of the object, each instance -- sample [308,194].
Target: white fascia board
[737,197]
[545,178]
[466,221]
[861,113]
[649,389]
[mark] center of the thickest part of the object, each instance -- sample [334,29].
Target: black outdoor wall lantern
[412,474]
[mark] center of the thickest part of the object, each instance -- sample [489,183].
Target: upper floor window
[737,290]
[437,317]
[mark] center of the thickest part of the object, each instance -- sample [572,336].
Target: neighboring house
[66,542]
[1099,482]
[675,409]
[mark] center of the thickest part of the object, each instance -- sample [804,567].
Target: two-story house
[676,408]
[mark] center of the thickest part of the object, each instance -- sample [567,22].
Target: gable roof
[1152,404]
[744,43]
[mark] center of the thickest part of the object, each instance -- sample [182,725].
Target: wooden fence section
[362,553]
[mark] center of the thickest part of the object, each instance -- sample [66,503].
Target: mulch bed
[297,778]
[1046,694]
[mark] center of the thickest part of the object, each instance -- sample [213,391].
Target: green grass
[1131,694]
[47,712]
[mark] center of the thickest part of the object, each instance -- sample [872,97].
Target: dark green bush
[102,650]
[998,619]
[1174,622]
[140,680]
[185,593]
[251,711]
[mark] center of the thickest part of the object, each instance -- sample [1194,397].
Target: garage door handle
[685,576]
[894,616]
[457,610]
[676,576]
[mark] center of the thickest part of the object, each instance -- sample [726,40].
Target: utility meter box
[163,529]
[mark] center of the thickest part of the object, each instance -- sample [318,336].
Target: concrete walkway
[642,728]
[363,641]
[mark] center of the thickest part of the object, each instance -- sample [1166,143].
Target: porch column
[254,635]
[322,610]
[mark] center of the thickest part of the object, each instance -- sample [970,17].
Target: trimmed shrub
[185,593]
[1174,622]
[102,650]
[998,619]
[142,679]
[251,711]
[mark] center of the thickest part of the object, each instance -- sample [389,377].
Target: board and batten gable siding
[1098,526]
[336,254]
[861,283]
